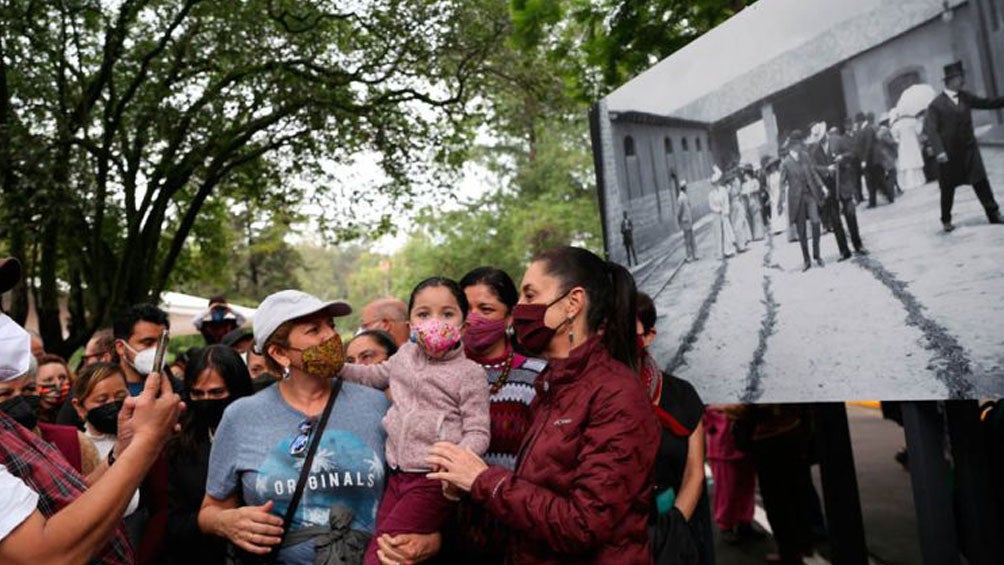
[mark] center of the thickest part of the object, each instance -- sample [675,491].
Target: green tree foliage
[558,57]
[125,125]
[597,45]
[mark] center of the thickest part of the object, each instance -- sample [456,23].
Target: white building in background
[777,66]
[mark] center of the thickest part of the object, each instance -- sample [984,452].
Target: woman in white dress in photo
[721,226]
[910,165]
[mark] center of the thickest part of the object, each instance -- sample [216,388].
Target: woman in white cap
[264,441]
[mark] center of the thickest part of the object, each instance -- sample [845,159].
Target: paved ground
[917,319]
[886,499]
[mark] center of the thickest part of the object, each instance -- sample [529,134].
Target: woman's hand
[457,465]
[406,549]
[251,528]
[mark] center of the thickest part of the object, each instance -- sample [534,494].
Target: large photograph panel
[839,117]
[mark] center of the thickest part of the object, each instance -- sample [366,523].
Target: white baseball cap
[286,305]
[15,349]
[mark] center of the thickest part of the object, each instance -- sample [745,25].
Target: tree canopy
[123,123]
[148,144]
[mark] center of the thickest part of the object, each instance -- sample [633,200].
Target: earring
[285,372]
[571,333]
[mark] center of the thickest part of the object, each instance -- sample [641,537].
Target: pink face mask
[435,336]
[482,333]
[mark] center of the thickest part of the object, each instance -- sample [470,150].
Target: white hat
[210,315]
[15,349]
[716,174]
[818,130]
[286,305]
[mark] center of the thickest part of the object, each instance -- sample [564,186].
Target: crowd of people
[820,178]
[477,421]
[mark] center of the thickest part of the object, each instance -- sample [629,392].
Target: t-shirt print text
[324,481]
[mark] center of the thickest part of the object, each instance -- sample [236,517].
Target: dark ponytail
[611,292]
[621,335]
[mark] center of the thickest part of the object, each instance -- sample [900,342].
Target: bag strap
[308,462]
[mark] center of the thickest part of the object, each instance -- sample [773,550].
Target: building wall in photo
[647,151]
[873,79]
[990,13]
[818,98]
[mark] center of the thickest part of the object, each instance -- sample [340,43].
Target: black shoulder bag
[236,556]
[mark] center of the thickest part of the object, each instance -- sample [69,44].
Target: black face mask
[105,418]
[208,412]
[22,409]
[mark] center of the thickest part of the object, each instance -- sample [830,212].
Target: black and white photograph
[809,192]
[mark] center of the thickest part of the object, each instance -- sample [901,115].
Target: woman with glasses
[262,441]
[214,379]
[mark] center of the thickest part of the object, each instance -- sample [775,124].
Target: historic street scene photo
[809,192]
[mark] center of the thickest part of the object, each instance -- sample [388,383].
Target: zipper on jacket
[533,440]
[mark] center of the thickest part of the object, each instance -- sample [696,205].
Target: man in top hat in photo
[949,128]
[805,194]
[833,158]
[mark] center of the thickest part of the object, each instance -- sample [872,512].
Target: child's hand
[450,492]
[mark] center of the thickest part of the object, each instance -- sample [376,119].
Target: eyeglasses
[300,442]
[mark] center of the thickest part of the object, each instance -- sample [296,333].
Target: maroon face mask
[532,333]
[482,333]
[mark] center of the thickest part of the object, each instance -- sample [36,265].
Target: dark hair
[105,340]
[382,338]
[125,324]
[611,292]
[188,356]
[450,285]
[228,363]
[646,311]
[50,358]
[496,279]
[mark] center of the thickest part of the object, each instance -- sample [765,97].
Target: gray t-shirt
[251,449]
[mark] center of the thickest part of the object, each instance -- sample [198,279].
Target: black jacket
[949,129]
[185,544]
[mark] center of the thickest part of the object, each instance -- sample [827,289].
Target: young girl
[439,395]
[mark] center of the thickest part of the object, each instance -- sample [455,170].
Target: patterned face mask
[435,336]
[324,359]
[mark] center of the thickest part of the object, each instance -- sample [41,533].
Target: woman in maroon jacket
[582,488]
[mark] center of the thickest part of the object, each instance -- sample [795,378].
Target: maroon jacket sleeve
[617,455]
[153,494]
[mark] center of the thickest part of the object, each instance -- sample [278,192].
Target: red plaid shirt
[46,472]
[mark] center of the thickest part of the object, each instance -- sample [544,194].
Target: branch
[142,73]
[212,180]
[114,39]
[312,22]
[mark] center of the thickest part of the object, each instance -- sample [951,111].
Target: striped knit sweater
[509,408]
[480,537]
